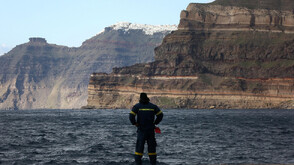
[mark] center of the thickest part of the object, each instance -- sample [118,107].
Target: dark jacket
[145,113]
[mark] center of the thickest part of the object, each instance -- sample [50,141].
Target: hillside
[225,54]
[37,74]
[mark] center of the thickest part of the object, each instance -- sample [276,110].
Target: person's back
[145,112]
[146,115]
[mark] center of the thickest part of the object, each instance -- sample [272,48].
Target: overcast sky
[70,22]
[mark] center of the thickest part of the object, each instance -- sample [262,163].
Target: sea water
[107,137]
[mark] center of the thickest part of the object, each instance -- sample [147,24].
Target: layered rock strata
[234,18]
[223,55]
[38,75]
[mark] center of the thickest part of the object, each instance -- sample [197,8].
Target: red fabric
[157,130]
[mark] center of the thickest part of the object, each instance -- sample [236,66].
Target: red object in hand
[157,130]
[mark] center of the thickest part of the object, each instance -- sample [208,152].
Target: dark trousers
[143,136]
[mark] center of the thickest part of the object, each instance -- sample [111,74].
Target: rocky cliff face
[238,18]
[41,75]
[280,5]
[227,54]
[29,73]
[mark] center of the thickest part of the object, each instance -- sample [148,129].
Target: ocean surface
[106,137]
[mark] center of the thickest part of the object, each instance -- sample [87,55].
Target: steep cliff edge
[223,55]
[30,73]
[38,75]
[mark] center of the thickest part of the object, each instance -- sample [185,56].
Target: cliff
[29,74]
[39,75]
[226,54]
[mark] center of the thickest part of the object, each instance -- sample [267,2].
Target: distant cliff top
[37,40]
[148,29]
[258,4]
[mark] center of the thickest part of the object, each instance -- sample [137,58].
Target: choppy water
[106,137]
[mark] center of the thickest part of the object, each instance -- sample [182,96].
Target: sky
[70,22]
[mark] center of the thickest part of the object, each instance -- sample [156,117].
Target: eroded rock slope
[38,75]
[226,54]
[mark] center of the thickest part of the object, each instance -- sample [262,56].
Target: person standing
[145,112]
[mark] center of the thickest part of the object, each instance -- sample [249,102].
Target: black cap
[144,98]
